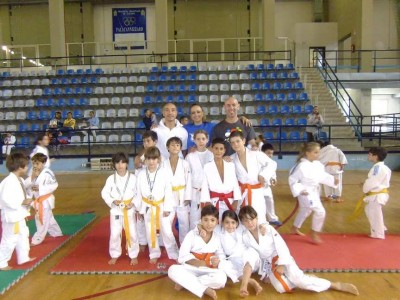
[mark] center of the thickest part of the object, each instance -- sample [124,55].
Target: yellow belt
[155,218]
[126,222]
[177,188]
[16,228]
[360,204]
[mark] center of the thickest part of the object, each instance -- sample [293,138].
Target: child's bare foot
[112,261]
[178,287]
[134,261]
[345,287]
[243,292]
[153,261]
[315,238]
[211,293]
[266,280]
[6,268]
[256,286]
[295,230]
[142,248]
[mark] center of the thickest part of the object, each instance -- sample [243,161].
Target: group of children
[19,195]
[200,191]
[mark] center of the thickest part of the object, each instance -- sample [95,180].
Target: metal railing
[343,99]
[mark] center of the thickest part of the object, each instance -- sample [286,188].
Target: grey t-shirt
[223,129]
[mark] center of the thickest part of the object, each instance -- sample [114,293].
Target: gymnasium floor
[79,193]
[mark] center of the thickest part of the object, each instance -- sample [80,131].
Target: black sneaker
[275,223]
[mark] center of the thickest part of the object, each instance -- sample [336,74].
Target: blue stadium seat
[88,71]
[302,122]
[51,102]
[264,122]
[77,81]
[159,99]
[192,99]
[308,109]
[35,127]
[40,103]
[263,76]
[152,78]
[266,86]
[270,67]
[273,75]
[283,75]
[280,97]
[277,122]
[290,122]
[70,72]
[77,114]
[162,77]
[294,136]
[61,102]
[294,75]
[298,86]
[181,111]
[93,80]
[150,88]
[261,110]
[147,99]
[192,77]
[260,67]
[169,99]
[183,68]
[154,69]
[287,86]
[141,125]
[258,97]
[22,127]
[64,81]
[60,72]
[80,71]
[269,97]
[279,67]
[138,138]
[164,69]
[172,77]
[58,91]
[193,88]
[31,115]
[296,109]
[72,102]
[250,67]
[78,91]
[255,86]
[83,101]
[193,69]
[282,136]
[323,136]
[88,90]
[269,136]
[303,97]
[292,96]
[253,76]
[181,88]
[273,109]
[54,81]
[160,89]
[277,86]
[47,92]
[285,110]
[24,141]
[171,88]
[44,115]
[180,99]
[173,69]
[157,110]
[182,77]
[289,66]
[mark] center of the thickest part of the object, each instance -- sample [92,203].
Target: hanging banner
[129,28]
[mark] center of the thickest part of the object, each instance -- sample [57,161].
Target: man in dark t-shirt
[232,121]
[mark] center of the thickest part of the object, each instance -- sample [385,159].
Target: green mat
[70,226]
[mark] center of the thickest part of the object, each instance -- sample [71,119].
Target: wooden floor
[79,193]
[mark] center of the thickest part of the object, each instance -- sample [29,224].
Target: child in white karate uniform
[375,189]
[156,202]
[14,209]
[42,142]
[150,139]
[200,258]
[8,143]
[220,185]
[334,161]
[181,182]
[273,219]
[253,169]
[119,194]
[41,186]
[197,159]
[277,265]
[304,182]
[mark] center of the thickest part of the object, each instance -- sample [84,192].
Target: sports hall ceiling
[25,2]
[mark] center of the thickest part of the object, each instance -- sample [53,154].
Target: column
[268,28]
[161,16]
[367,10]
[57,30]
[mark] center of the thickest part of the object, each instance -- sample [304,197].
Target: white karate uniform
[47,183]
[181,183]
[307,176]
[164,134]
[271,245]
[43,150]
[333,159]
[237,254]
[258,163]
[140,224]
[121,188]
[378,179]
[13,214]
[196,161]
[213,182]
[194,279]
[161,190]
[268,196]
[8,144]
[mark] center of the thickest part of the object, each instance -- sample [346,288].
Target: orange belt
[222,197]
[278,276]
[205,257]
[38,205]
[155,218]
[249,187]
[360,204]
[333,163]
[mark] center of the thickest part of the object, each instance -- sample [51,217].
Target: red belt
[222,197]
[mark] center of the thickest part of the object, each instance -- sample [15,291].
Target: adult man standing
[231,123]
[169,127]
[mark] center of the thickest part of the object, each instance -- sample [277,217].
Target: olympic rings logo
[129,21]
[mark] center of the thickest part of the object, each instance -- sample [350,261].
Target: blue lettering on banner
[130,22]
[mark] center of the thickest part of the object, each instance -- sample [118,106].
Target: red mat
[91,256]
[346,253]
